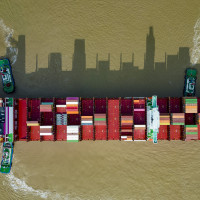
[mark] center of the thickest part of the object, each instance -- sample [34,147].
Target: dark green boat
[6,162]
[190,82]
[7,77]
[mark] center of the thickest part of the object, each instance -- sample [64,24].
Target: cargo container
[72,105]
[87,132]
[35,133]
[178,118]
[60,105]
[139,111]
[190,119]
[175,132]
[47,118]
[164,119]
[61,119]
[126,106]
[100,119]
[191,132]
[140,132]
[101,132]
[113,119]
[47,138]
[74,119]
[34,109]
[61,132]
[100,105]
[126,127]
[190,104]
[22,118]
[73,133]
[176,105]
[163,132]
[87,107]
[163,105]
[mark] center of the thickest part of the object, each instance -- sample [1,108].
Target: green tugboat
[7,77]
[6,162]
[190,82]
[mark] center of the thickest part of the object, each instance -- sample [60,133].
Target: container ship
[74,119]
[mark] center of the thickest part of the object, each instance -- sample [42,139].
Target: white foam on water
[20,185]
[8,33]
[195,51]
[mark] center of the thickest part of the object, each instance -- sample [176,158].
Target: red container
[139,134]
[101,132]
[47,118]
[175,105]
[22,128]
[175,132]
[100,105]
[61,132]
[87,132]
[163,105]
[139,117]
[60,101]
[190,119]
[113,119]
[35,133]
[126,106]
[163,132]
[34,105]
[48,138]
[87,107]
[74,119]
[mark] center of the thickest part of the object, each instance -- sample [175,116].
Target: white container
[72,129]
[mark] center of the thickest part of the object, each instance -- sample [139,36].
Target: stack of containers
[126,128]
[99,119]
[86,120]
[32,123]
[164,119]
[139,112]
[61,119]
[191,132]
[178,118]
[72,133]
[46,106]
[72,104]
[45,130]
[61,108]
[113,119]
[191,105]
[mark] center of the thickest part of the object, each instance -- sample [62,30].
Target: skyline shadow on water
[157,78]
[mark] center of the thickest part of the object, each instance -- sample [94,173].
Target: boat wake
[19,185]
[8,33]
[195,51]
